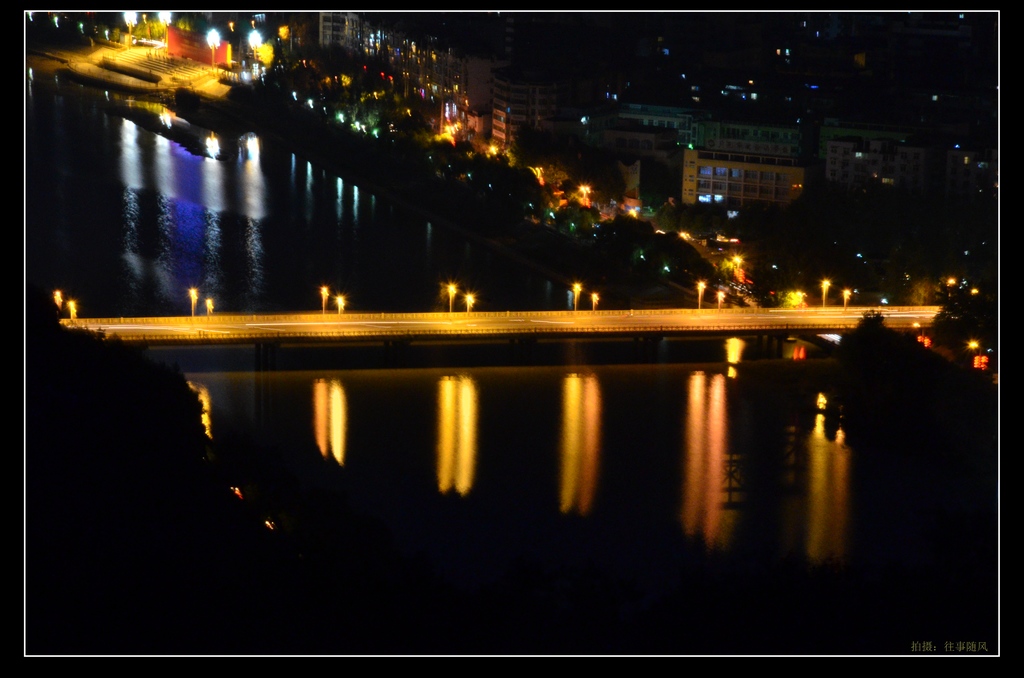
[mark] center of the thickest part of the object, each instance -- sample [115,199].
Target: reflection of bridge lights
[212,146]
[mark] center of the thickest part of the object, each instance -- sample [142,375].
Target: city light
[341,303]
[824,291]
[324,292]
[700,292]
[451,296]
[846,298]
[593,301]
[59,299]
[193,294]
[130,18]
[209,306]
[213,39]
[469,302]
[576,288]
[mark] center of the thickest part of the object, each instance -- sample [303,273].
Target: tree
[265,53]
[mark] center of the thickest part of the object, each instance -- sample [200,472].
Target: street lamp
[576,288]
[846,298]
[721,295]
[194,296]
[130,18]
[255,41]
[209,306]
[700,293]
[59,299]
[593,301]
[323,296]
[469,302]
[824,291]
[213,40]
[341,303]
[72,309]
[451,296]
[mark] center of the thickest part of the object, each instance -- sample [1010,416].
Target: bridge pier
[395,352]
[521,350]
[265,357]
[645,349]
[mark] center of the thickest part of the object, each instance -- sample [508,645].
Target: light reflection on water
[530,452]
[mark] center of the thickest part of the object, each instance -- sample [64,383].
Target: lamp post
[721,295]
[131,19]
[824,291]
[451,296]
[323,297]
[593,301]
[576,289]
[193,294]
[341,303]
[58,299]
[700,293]
[846,298]
[213,40]
[255,40]
[209,306]
[72,309]
[469,302]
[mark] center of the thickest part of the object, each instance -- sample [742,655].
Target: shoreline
[218,113]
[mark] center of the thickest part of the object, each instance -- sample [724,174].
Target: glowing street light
[213,40]
[576,289]
[130,18]
[324,292]
[824,291]
[255,40]
[469,302]
[72,309]
[451,296]
[846,298]
[59,299]
[700,293]
[593,301]
[341,303]
[209,306]
[193,294]
[721,295]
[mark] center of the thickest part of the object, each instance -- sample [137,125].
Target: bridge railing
[434,316]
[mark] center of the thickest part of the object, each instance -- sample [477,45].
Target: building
[631,139]
[736,180]
[854,162]
[680,119]
[834,128]
[525,98]
[753,137]
[971,173]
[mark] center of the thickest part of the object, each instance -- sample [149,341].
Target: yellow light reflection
[457,407]
[711,477]
[330,418]
[581,442]
[204,398]
[828,494]
[733,350]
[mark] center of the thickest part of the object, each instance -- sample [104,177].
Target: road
[332,326]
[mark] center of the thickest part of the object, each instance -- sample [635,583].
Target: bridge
[269,332]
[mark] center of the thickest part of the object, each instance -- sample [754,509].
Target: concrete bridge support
[265,357]
[521,350]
